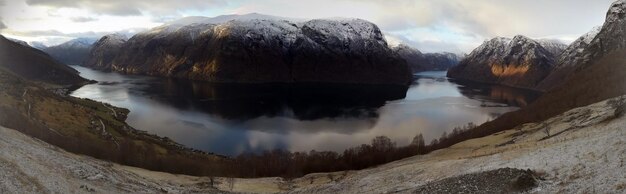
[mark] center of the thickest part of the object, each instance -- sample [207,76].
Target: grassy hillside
[95,129]
[35,65]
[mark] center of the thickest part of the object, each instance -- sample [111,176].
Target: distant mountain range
[419,61]
[73,52]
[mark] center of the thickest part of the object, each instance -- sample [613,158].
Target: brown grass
[74,125]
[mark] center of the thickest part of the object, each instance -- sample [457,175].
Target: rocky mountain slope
[419,61]
[33,64]
[566,63]
[258,50]
[21,42]
[105,50]
[73,52]
[518,62]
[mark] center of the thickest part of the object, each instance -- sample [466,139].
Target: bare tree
[418,142]
[545,128]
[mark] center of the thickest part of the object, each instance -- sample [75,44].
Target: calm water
[230,119]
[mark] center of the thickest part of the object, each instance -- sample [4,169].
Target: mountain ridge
[518,62]
[260,51]
[31,63]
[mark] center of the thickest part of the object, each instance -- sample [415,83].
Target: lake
[230,119]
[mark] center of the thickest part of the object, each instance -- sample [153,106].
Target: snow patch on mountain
[113,39]
[345,29]
[175,25]
[78,43]
[554,46]
[577,48]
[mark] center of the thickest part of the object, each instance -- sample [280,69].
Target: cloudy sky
[430,25]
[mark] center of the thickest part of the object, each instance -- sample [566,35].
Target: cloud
[83,19]
[77,34]
[430,25]
[54,37]
[2,25]
[133,7]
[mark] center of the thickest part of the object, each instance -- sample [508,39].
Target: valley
[155,99]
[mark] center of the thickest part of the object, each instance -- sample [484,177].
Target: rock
[258,51]
[503,180]
[523,182]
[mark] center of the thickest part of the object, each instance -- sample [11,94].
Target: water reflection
[302,101]
[234,118]
[497,93]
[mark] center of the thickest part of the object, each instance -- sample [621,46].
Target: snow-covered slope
[519,62]
[576,48]
[556,47]
[566,62]
[248,49]
[37,45]
[197,20]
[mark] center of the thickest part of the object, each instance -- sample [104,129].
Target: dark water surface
[230,119]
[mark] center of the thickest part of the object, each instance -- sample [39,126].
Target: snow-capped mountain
[566,62]
[104,50]
[260,50]
[199,20]
[73,52]
[519,62]
[591,47]
[576,48]
[419,61]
